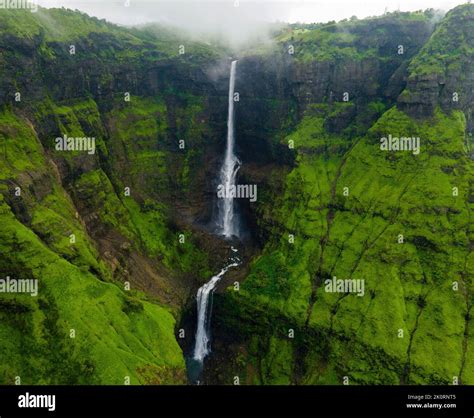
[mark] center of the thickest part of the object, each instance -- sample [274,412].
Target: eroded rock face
[442,73]
[114,215]
[276,89]
[355,234]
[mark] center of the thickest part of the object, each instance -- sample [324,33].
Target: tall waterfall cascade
[228,227]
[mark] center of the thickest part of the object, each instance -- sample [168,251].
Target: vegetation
[399,221]
[110,342]
[112,237]
[348,39]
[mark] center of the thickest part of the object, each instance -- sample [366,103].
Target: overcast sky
[240,18]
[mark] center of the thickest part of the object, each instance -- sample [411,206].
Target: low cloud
[238,21]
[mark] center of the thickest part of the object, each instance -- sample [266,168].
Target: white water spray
[227,219]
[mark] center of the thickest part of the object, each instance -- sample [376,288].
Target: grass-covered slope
[437,75]
[90,57]
[81,328]
[408,285]
[397,221]
[91,226]
[377,37]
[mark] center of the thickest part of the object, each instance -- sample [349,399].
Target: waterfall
[227,219]
[227,224]
[201,348]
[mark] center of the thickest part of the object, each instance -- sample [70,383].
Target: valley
[128,241]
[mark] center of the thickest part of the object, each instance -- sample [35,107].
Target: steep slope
[81,328]
[399,223]
[103,232]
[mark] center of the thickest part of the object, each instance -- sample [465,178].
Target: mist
[238,21]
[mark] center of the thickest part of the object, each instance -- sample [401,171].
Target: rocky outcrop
[441,74]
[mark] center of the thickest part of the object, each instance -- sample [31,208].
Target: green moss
[114,338]
[347,39]
[353,234]
[95,188]
[20,149]
[447,45]
[109,343]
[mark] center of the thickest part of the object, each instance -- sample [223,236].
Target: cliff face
[440,74]
[355,62]
[338,63]
[111,235]
[395,223]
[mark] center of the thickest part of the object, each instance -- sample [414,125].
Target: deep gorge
[158,239]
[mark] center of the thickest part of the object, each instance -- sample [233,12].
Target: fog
[238,21]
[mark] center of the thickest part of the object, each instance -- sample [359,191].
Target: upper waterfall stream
[227,221]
